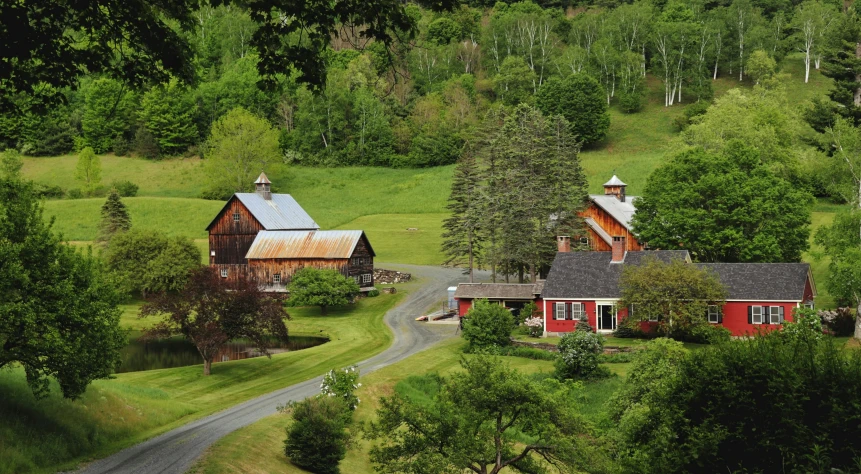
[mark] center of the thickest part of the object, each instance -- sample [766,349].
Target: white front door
[606,316]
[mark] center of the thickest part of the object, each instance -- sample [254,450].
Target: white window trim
[578,312]
[366,278]
[713,310]
[559,311]
[235,217]
[753,314]
[773,312]
[276,278]
[223,273]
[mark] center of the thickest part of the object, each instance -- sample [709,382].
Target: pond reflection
[178,352]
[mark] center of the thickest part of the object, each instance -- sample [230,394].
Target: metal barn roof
[621,211]
[305,244]
[282,212]
[615,181]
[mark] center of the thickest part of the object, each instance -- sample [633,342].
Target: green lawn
[55,433]
[394,243]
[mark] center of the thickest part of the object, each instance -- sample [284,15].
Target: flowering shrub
[342,383]
[535,325]
[578,356]
[841,321]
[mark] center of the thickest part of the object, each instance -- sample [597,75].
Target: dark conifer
[115,217]
[461,229]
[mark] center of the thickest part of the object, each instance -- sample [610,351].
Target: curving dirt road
[176,450]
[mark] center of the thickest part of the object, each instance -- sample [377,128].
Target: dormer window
[235,217]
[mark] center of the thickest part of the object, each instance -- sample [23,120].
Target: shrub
[125,188]
[584,326]
[146,144]
[628,329]
[617,358]
[120,145]
[841,321]
[487,325]
[578,356]
[46,191]
[631,102]
[529,310]
[696,109]
[317,439]
[342,384]
[706,334]
[535,326]
[373,293]
[75,193]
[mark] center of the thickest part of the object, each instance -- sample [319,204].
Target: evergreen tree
[843,64]
[461,240]
[115,217]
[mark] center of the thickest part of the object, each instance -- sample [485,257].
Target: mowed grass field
[55,433]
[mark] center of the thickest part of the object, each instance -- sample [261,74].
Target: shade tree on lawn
[484,419]
[58,308]
[315,287]
[210,311]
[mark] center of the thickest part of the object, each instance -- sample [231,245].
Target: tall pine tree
[115,217]
[461,230]
[843,64]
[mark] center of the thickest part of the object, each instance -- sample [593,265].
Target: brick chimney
[618,255]
[563,243]
[262,186]
[615,187]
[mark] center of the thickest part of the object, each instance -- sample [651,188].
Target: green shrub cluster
[487,325]
[578,356]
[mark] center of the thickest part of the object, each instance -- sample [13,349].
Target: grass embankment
[54,433]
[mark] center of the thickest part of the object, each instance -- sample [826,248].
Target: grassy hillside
[50,434]
[384,202]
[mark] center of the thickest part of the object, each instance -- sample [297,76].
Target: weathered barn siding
[355,269]
[230,240]
[264,269]
[611,226]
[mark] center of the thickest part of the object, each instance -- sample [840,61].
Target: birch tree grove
[811,19]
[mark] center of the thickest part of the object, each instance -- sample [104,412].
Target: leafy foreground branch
[483,420]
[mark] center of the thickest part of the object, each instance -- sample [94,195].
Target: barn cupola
[263,186]
[615,187]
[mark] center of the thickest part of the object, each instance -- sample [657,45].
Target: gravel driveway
[178,449]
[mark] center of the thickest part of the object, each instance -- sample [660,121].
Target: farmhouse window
[808,305]
[653,318]
[578,311]
[276,278]
[714,314]
[366,278]
[223,273]
[235,217]
[755,314]
[775,314]
[559,312]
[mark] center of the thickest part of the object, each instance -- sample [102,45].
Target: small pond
[177,352]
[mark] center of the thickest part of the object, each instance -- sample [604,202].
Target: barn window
[756,314]
[223,273]
[276,278]
[714,314]
[235,217]
[775,314]
[366,278]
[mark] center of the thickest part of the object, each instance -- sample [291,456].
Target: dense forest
[417,103]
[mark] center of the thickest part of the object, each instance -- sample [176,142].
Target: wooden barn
[269,237]
[608,216]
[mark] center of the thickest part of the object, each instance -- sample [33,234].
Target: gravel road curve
[178,449]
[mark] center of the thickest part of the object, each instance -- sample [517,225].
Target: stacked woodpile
[388,277]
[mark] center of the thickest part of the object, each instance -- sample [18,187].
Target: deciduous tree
[210,311]
[724,207]
[581,100]
[240,145]
[89,169]
[58,310]
[486,419]
[314,287]
[146,261]
[677,294]
[167,114]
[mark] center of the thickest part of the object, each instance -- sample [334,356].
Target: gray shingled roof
[621,211]
[514,291]
[590,275]
[282,212]
[762,281]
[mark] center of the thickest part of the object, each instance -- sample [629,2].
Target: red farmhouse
[585,285]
